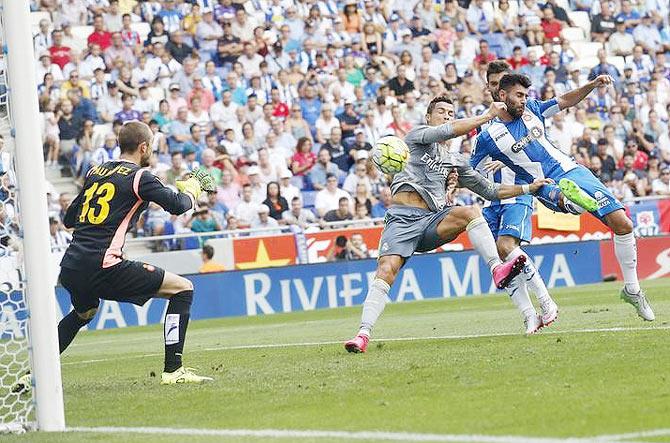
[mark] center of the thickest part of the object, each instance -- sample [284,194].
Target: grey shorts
[408,230]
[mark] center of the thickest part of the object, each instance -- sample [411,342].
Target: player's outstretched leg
[388,267]
[625,250]
[180,293]
[70,325]
[574,193]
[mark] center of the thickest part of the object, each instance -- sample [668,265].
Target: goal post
[31,190]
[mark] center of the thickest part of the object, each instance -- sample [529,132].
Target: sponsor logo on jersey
[435,165]
[533,134]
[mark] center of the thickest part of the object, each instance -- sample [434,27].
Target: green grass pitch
[447,367]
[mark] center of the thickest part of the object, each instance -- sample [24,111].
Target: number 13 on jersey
[102,194]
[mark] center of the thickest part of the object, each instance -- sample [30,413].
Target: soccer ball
[390,154]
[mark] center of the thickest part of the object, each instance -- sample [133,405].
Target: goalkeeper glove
[189,186]
[205,179]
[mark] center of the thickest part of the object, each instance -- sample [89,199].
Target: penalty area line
[317,434]
[381,339]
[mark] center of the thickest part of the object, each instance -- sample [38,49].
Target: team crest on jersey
[526,116]
[534,133]
[601,199]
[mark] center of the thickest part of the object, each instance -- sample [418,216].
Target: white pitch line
[630,435]
[381,339]
[315,434]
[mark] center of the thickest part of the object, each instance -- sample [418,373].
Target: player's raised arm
[71,214]
[571,98]
[441,125]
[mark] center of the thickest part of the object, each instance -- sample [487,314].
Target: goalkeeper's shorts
[128,281]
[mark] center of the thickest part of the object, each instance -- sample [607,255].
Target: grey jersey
[429,165]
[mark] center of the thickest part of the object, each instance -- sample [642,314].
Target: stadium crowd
[282,100]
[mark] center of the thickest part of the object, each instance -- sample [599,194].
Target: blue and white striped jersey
[522,145]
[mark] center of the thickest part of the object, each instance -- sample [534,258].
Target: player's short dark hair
[208,251]
[510,80]
[496,67]
[436,100]
[132,135]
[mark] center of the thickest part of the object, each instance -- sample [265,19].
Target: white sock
[374,305]
[532,277]
[626,254]
[483,242]
[519,294]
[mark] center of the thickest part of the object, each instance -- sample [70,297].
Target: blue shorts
[607,202]
[511,219]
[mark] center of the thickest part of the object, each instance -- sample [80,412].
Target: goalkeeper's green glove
[189,186]
[207,182]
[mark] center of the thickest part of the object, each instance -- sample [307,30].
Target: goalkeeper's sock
[176,322]
[534,281]
[625,251]
[374,305]
[68,328]
[483,242]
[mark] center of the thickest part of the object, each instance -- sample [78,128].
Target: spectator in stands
[342,213]
[275,201]
[356,248]
[321,169]
[304,159]
[68,126]
[203,221]
[100,35]
[178,168]
[646,35]
[604,67]
[379,209]
[60,238]
[127,113]
[228,192]
[208,263]
[621,42]
[60,55]
[297,215]
[358,175]
[108,151]
[263,220]
[327,199]
[339,154]
[339,250]
[661,185]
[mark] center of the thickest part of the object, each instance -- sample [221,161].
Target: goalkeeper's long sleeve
[151,189]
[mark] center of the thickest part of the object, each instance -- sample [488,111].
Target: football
[390,154]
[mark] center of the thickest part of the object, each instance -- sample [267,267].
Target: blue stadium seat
[191,243]
[308,198]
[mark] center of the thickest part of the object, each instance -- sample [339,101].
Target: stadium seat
[586,49]
[191,243]
[586,63]
[308,198]
[619,62]
[581,19]
[142,28]
[575,34]
[82,32]
[36,16]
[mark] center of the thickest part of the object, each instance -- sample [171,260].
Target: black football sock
[68,328]
[176,322]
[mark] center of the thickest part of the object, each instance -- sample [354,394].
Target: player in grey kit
[421,219]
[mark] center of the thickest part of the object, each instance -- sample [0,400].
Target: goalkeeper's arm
[151,189]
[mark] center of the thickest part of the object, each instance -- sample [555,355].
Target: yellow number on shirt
[104,194]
